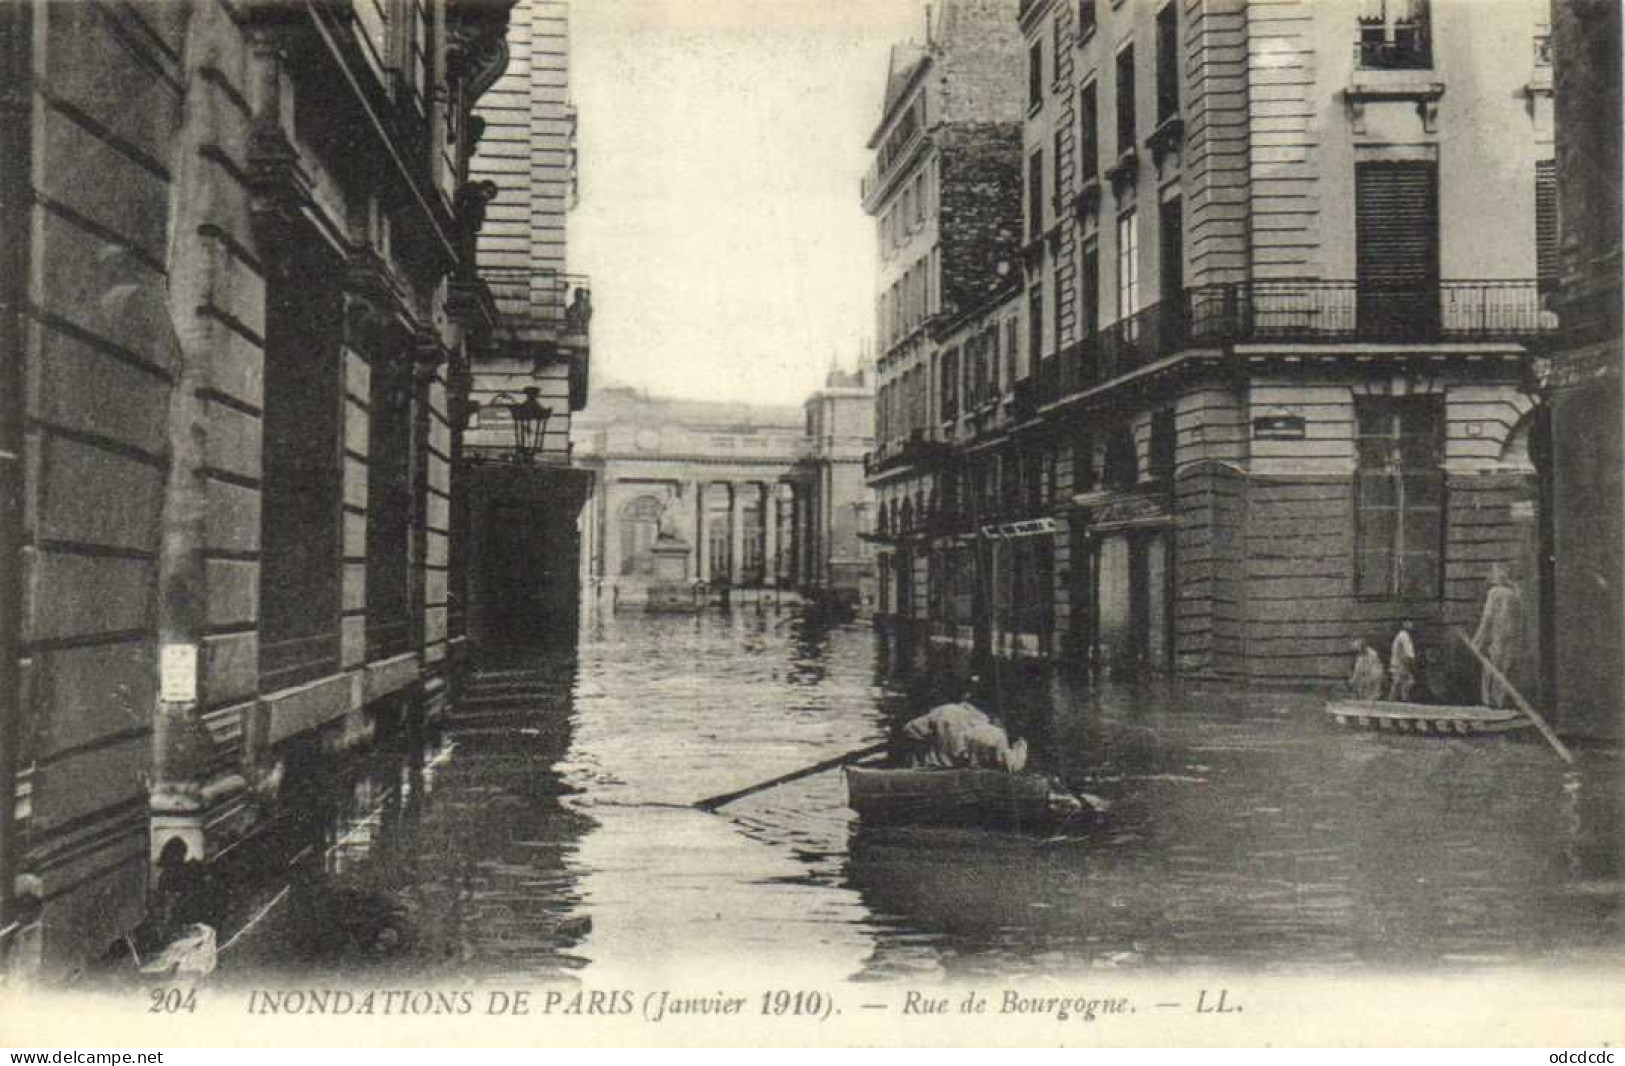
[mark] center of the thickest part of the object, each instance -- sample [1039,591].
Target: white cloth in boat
[960,735]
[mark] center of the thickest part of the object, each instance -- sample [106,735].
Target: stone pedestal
[671,589]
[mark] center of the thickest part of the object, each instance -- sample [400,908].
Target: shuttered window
[1399,497]
[1125,100]
[1546,261]
[1167,63]
[1035,195]
[1088,135]
[1397,249]
[1035,74]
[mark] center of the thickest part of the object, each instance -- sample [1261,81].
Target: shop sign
[1031,527]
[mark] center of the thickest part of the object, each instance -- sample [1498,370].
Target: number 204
[172,1000]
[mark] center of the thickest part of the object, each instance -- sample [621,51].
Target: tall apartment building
[1284,264]
[944,192]
[532,365]
[228,362]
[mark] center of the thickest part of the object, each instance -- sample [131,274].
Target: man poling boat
[960,768]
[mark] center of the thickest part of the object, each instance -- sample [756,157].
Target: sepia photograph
[536,523]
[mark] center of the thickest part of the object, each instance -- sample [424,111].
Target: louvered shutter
[1397,249]
[1546,224]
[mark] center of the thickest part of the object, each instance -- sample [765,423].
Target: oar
[807,771]
[1517,697]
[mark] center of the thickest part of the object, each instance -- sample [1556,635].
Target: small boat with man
[959,769]
[962,769]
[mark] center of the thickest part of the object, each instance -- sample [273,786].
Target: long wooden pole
[1517,697]
[807,771]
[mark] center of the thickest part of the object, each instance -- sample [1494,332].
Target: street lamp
[529,422]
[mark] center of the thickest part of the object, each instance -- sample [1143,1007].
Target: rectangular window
[1083,462]
[1396,249]
[1164,444]
[1088,135]
[1167,63]
[1055,31]
[1035,75]
[389,505]
[919,200]
[1086,19]
[1128,265]
[1035,323]
[300,528]
[1171,261]
[990,343]
[1546,257]
[372,18]
[1012,335]
[1035,194]
[1089,292]
[1125,100]
[1399,496]
[950,385]
[417,53]
[1395,35]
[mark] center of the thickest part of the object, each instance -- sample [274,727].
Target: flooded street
[549,831]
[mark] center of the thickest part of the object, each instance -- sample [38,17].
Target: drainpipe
[16,132]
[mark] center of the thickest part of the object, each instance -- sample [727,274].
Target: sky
[721,145]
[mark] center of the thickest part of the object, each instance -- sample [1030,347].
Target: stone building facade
[520,512]
[1582,385]
[945,193]
[227,369]
[1269,393]
[704,477]
[1281,384]
[833,515]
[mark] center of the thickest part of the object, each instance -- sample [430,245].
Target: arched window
[640,528]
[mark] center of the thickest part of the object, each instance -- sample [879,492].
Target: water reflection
[550,831]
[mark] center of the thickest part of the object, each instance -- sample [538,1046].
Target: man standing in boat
[1500,634]
[961,735]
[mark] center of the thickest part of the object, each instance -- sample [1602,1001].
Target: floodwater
[549,832]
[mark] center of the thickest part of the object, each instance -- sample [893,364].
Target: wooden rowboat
[1425,718]
[952,797]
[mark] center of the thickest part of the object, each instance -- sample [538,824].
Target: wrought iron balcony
[1299,312]
[545,304]
[917,450]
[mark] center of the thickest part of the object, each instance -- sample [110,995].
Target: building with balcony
[1581,387]
[228,363]
[944,190]
[1285,266]
[704,484]
[530,365]
[830,502]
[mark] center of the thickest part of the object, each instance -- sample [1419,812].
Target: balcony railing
[1299,312]
[917,450]
[545,299]
[1404,45]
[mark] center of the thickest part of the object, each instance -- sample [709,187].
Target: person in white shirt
[1402,664]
